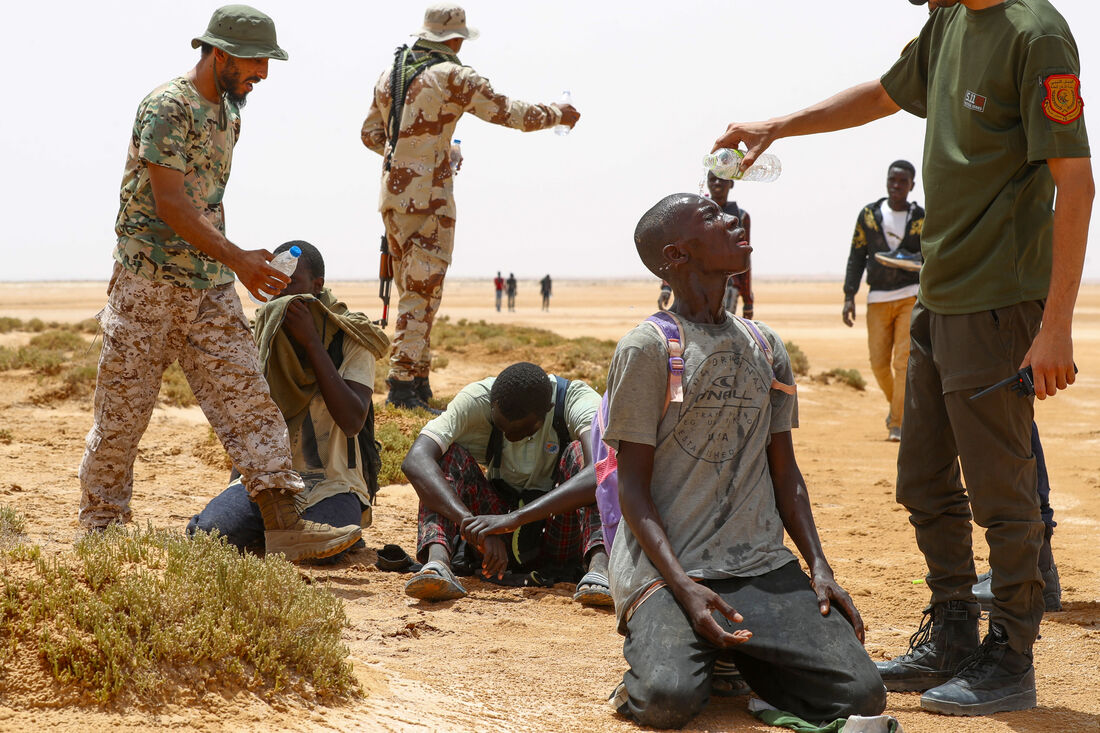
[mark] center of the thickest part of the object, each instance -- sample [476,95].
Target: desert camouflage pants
[421,247]
[146,326]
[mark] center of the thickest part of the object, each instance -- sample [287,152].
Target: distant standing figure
[545,290]
[511,291]
[891,225]
[498,286]
[665,296]
[740,284]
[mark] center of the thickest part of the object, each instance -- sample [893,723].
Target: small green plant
[12,523]
[396,430]
[135,614]
[58,340]
[174,389]
[5,436]
[439,361]
[850,377]
[800,365]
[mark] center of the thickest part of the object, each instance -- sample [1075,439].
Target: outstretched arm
[174,207]
[793,503]
[853,107]
[1051,354]
[500,110]
[698,601]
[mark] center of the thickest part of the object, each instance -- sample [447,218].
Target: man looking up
[412,118]
[741,283]
[171,295]
[890,225]
[998,83]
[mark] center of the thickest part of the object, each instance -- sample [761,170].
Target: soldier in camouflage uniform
[416,201]
[171,295]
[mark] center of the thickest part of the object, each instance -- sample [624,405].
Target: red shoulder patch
[1063,102]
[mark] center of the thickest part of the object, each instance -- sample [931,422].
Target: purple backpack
[605,457]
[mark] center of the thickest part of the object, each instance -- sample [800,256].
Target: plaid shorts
[566,538]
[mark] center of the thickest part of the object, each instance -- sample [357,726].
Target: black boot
[403,394]
[947,635]
[1052,586]
[996,679]
[423,389]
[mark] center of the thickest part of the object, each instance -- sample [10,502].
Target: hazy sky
[656,83]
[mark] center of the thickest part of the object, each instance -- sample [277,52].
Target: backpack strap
[668,326]
[400,81]
[755,334]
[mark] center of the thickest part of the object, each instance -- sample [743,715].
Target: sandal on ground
[727,680]
[434,582]
[594,590]
[393,559]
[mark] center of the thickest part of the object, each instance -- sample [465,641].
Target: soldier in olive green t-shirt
[998,83]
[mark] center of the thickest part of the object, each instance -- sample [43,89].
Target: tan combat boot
[299,539]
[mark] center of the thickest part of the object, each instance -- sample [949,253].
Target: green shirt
[177,128]
[999,89]
[528,464]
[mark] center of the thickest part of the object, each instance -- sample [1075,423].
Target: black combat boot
[423,389]
[996,679]
[1052,585]
[947,635]
[403,394]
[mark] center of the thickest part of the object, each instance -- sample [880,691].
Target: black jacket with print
[870,238]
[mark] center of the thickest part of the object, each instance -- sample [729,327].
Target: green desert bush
[800,365]
[59,340]
[850,377]
[138,613]
[396,429]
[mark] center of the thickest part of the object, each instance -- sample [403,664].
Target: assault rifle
[385,281]
[1022,382]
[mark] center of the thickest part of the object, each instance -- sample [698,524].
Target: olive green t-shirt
[177,128]
[1000,90]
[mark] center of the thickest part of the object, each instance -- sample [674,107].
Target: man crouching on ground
[706,492]
[536,509]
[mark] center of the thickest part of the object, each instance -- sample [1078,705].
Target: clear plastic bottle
[285,262]
[726,163]
[566,98]
[456,155]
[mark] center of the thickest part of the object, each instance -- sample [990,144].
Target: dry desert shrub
[849,377]
[141,614]
[800,364]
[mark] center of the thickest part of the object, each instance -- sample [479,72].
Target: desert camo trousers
[421,247]
[146,326]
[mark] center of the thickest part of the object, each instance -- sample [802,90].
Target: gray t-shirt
[528,464]
[711,484]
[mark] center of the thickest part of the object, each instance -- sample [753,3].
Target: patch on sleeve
[1063,102]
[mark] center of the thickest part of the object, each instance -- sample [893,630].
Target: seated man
[536,509]
[707,487]
[318,359]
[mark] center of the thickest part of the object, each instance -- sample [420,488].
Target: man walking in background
[498,288]
[545,288]
[413,113]
[890,227]
[510,284]
[171,295]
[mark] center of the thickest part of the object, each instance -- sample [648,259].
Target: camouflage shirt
[176,128]
[419,179]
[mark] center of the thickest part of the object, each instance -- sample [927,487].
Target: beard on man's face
[230,79]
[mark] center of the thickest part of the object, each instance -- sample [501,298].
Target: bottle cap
[295,251]
[456,141]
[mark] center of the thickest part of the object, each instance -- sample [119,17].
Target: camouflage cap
[242,31]
[444,21]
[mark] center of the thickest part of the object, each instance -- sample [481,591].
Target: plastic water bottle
[456,154]
[566,98]
[285,262]
[726,163]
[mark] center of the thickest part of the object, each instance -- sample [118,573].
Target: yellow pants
[888,342]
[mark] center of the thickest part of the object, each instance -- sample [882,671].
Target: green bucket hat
[242,31]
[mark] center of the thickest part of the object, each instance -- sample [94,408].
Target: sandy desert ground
[531,659]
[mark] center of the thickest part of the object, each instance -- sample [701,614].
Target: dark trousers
[238,518]
[566,539]
[946,436]
[797,660]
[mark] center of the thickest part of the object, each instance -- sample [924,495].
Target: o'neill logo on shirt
[974,101]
